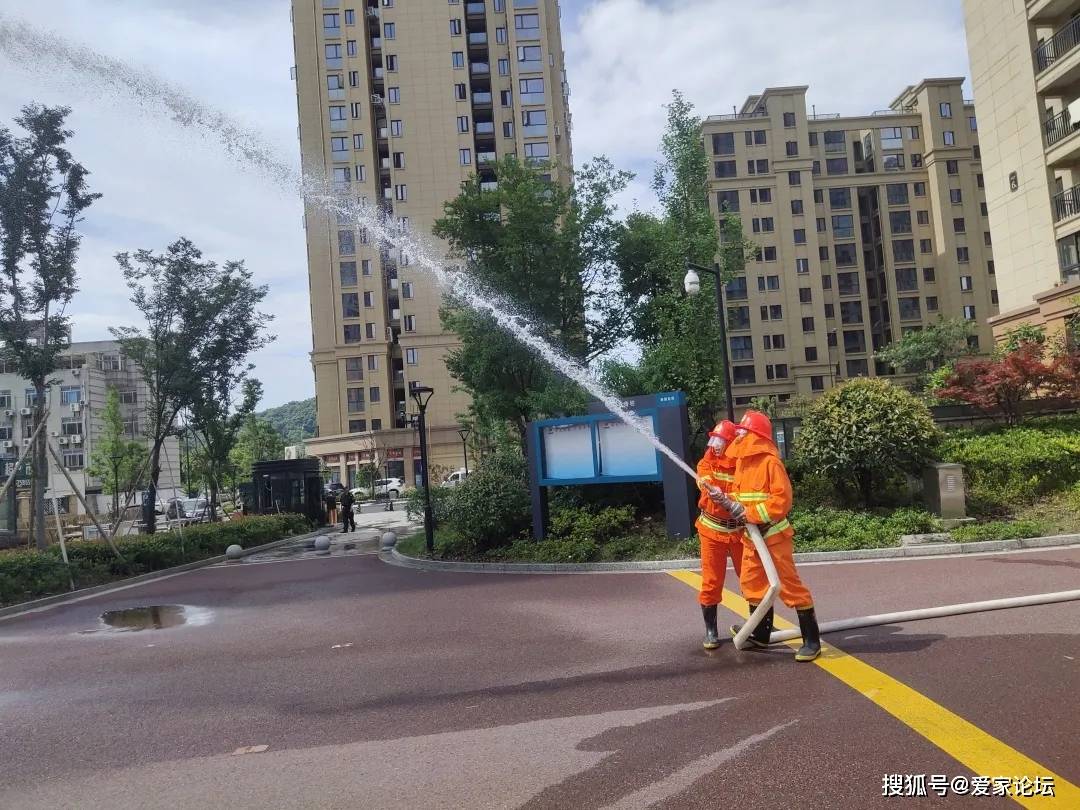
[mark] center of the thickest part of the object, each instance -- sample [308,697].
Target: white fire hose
[770,594]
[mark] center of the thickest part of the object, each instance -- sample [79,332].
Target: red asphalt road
[486,690]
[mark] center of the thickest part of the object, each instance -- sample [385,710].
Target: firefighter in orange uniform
[719,533]
[762,495]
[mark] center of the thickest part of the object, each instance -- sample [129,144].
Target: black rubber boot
[712,636]
[811,636]
[762,633]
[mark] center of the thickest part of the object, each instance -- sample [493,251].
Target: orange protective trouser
[755,582]
[714,557]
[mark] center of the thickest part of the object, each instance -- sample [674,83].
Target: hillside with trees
[294,421]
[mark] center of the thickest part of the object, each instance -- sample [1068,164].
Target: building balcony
[478,38]
[474,9]
[1062,141]
[490,185]
[486,157]
[376,43]
[1066,204]
[1057,63]
[481,99]
[532,98]
[484,127]
[1046,11]
[338,125]
[1063,41]
[480,69]
[377,74]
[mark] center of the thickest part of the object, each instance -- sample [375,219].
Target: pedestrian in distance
[331,508]
[348,522]
[719,533]
[762,495]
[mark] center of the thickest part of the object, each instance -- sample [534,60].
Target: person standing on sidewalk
[331,508]
[719,534]
[762,495]
[347,519]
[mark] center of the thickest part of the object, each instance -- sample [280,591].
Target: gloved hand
[736,510]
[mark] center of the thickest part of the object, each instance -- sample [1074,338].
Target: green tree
[1019,336]
[924,351]
[43,194]
[294,421]
[863,434]
[257,440]
[118,462]
[548,250]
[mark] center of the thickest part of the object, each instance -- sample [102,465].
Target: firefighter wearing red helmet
[720,534]
[762,494]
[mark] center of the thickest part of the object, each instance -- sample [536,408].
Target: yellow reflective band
[778,527]
[763,512]
[751,497]
[723,477]
[716,527]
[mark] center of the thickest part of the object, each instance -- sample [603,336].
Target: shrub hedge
[26,575]
[841,530]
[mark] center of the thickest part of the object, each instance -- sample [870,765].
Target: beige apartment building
[868,227]
[401,102]
[1025,70]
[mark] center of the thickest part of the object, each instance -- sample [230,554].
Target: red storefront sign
[395,454]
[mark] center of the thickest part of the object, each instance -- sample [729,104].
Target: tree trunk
[213,500]
[41,469]
[149,510]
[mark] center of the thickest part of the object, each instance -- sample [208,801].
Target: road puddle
[151,617]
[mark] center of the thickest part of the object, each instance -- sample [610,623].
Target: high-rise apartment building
[868,227]
[400,102]
[1025,71]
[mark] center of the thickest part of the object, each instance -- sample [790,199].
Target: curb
[928,551]
[83,593]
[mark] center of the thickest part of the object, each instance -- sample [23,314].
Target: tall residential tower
[868,227]
[401,103]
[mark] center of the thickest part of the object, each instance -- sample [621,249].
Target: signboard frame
[593,421]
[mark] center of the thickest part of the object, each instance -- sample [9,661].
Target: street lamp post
[464,434]
[692,284]
[421,394]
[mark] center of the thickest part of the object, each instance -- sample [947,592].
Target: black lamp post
[692,284]
[464,434]
[116,458]
[421,394]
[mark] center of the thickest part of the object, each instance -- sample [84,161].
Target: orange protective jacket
[762,485]
[718,473]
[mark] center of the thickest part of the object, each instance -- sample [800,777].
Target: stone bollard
[388,541]
[322,544]
[234,553]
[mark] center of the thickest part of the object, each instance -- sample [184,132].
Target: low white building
[76,401]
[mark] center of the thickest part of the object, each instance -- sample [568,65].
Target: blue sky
[623,59]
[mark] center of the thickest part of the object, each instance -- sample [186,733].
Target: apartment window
[928,275]
[526,22]
[333,55]
[896,193]
[757,166]
[966,283]
[743,375]
[926,246]
[335,84]
[892,163]
[365,267]
[742,348]
[847,283]
[796,208]
[826,282]
[374,394]
[504,67]
[534,118]
[506,98]
[529,53]
[73,459]
[794,179]
[738,318]
[854,341]
[802,266]
[962,255]
[805,295]
[989,270]
[457,59]
[391,63]
[789,119]
[958,225]
[351,333]
[800,236]
[924,217]
[810,354]
[916,161]
[463,123]
[900,221]
[357,426]
[769,254]
[952,167]
[760,195]
[397,128]
[909,309]
[723,143]
[355,398]
[815,169]
[401,192]
[979,180]
[393,95]
[373,362]
[535,152]
[776,312]
[945,109]
[834,141]
[858,368]
[920,189]
[778,342]
[337,113]
[5,399]
[342,174]
[346,243]
[389,30]
[931,303]
[813,139]
[500,36]
[851,312]
[791,148]
[821,225]
[994,297]
[369,331]
[830,311]
[983,209]
[817,383]
[823,253]
[819,196]
[768,283]
[949,137]
[350,17]
[762,225]
[465,156]
[339,145]
[725,168]
[350,48]
[354,368]
[779,371]
[986,238]
[508,129]
[357,142]
[736,288]
[408,323]
[369,299]
[399,160]
[843,226]
[455,28]
[728,201]
[836,166]
[839,198]
[350,305]
[808,325]
[354,78]
[969,313]
[907,279]
[846,255]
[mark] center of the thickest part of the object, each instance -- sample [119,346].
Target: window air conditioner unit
[9,413]
[376,98]
[27,412]
[62,440]
[76,439]
[76,407]
[9,445]
[25,442]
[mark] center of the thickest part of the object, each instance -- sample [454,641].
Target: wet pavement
[340,681]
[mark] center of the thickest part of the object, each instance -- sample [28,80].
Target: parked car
[456,478]
[334,488]
[384,488]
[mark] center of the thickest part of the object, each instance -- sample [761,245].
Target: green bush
[440,503]
[26,575]
[1016,466]
[492,506]
[841,530]
[998,530]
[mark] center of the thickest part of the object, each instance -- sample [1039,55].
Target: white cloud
[624,57]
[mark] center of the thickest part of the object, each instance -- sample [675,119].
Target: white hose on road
[770,595]
[929,613]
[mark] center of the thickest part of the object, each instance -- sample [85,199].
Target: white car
[455,479]
[384,488]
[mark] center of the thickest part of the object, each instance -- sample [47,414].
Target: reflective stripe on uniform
[763,512]
[752,497]
[778,527]
[716,526]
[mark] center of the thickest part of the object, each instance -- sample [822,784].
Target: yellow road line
[965,742]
